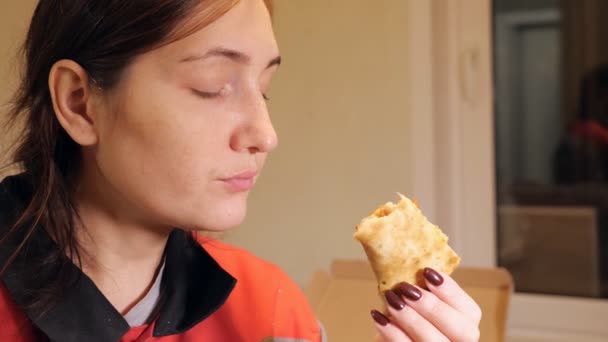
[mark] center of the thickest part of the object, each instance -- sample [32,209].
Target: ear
[72,97]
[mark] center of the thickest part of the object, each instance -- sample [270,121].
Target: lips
[241,182]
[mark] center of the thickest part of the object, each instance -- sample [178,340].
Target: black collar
[194,284]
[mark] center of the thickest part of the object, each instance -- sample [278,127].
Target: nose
[256,134]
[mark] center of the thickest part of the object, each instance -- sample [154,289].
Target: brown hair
[103,37]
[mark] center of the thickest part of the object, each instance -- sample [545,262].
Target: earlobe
[70,93]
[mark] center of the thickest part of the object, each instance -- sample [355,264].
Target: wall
[339,106]
[14,18]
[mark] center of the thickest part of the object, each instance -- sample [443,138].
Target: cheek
[172,155]
[165,159]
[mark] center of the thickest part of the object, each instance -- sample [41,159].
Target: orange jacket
[212,292]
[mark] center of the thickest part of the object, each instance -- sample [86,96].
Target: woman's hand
[444,313]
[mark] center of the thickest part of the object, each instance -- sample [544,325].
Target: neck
[121,255]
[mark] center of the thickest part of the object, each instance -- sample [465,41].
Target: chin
[222,218]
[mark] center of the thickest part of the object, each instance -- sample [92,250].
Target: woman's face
[185,133]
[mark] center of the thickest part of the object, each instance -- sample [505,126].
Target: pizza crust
[400,242]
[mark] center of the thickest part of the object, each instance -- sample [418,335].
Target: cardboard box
[343,297]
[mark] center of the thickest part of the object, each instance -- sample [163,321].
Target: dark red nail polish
[394,300]
[380,318]
[409,291]
[433,277]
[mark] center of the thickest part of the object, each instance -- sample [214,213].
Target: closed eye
[215,94]
[206,94]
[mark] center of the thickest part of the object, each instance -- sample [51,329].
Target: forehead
[247,27]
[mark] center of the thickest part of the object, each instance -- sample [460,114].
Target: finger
[410,321]
[444,287]
[450,322]
[387,331]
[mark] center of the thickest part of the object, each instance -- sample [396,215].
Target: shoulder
[14,194]
[268,288]
[233,258]
[15,324]
[247,268]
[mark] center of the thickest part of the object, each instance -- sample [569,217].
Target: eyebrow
[232,55]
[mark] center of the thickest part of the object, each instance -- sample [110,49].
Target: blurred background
[492,113]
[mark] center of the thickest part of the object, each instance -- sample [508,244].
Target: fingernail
[380,318]
[394,300]
[433,277]
[409,291]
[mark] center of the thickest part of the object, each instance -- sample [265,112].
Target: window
[551,125]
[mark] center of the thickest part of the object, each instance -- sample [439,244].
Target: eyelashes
[208,95]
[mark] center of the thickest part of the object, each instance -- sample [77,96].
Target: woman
[141,117]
